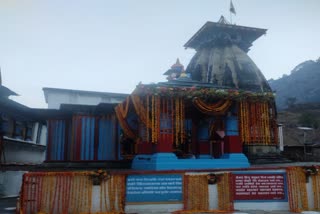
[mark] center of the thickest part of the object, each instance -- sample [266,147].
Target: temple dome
[221,58]
[227,66]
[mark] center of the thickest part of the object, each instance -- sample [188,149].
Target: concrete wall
[27,152]
[242,205]
[18,152]
[21,152]
[213,201]
[10,183]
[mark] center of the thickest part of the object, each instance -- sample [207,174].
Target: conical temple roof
[227,66]
[221,57]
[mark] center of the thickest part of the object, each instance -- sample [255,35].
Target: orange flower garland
[123,123]
[216,108]
[139,108]
[155,119]
[195,192]
[316,190]
[179,121]
[124,107]
[148,120]
[297,190]
[257,123]
[68,192]
[225,198]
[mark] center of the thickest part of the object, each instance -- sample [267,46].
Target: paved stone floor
[7,206]
[268,212]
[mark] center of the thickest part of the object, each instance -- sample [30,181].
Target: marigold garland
[297,190]
[225,197]
[190,92]
[316,190]
[215,108]
[124,107]
[179,121]
[257,123]
[155,118]
[139,108]
[148,119]
[195,192]
[68,192]
[123,123]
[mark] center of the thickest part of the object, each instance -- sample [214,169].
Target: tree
[308,120]
[291,101]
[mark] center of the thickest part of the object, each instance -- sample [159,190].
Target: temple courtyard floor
[8,205]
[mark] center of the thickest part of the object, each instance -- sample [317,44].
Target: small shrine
[202,117]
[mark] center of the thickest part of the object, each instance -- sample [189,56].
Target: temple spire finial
[223,20]
[178,61]
[177,64]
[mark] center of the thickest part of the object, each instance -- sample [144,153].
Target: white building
[54,97]
[22,142]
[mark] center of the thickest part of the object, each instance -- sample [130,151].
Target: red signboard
[259,187]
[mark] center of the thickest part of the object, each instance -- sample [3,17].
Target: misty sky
[111,46]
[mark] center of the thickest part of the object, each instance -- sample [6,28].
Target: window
[7,126]
[19,130]
[28,132]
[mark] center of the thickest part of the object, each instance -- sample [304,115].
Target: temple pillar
[232,142]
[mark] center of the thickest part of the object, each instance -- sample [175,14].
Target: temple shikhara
[204,115]
[182,145]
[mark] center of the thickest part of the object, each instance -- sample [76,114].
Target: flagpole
[232,10]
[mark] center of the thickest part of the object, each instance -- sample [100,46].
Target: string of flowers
[179,121]
[225,197]
[123,123]
[243,119]
[172,102]
[157,115]
[124,107]
[182,117]
[191,92]
[297,190]
[195,193]
[212,108]
[257,123]
[148,118]
[155,118]
[153,135]
[316,190]
[68,192]
[140,108]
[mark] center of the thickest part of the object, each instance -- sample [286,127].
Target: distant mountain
[301,86]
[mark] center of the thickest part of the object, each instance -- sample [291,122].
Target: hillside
[301,86]
[292,119]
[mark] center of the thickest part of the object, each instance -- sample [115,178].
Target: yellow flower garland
[257,123]
[195,192]
[69,192]
[297,190]
[123,123]
[179,121]
[154,121]
[139,108]
[316,191]
[216,108]
[225,198]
